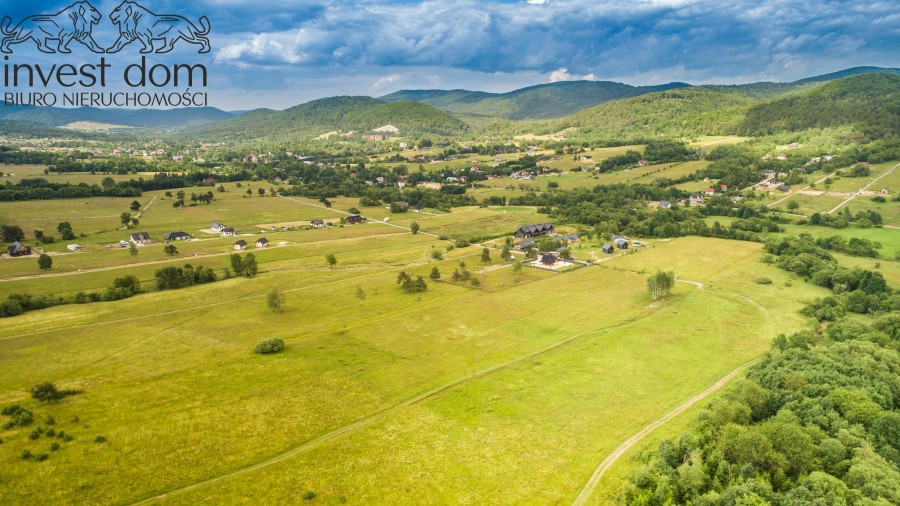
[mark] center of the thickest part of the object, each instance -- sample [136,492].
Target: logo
[138,23]
[75,22]
[54,32]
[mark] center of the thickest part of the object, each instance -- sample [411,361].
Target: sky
[279,53]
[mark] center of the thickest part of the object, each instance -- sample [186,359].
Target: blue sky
[278,53]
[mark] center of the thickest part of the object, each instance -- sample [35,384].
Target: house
[318,224]
[417,208]
[643,163]
[710,191]
[665,204]
[18,250]
[784,188]
[621,242]
[696,199]
[140,238]
[73,247]
[177,236]
[524,245]
[354,219]
[240,245]
[548,259]
[217,227]
[228,231]
[608,249]
[723,187]
[387,129]
[528,231]
[262,243]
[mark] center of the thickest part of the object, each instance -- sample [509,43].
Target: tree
[135,205]
[249,265]
[360,294]
[660,285]
[269,346]
[414,228]
[171,250]
[435,274]
[504,253]
[275,300]
[47,392]
[517,269]
[65,228]
[250,192]
[262,192]
[125,218]
[793,205]
[12,233]
[45,262]
[331,260]
[485,256]
[237,264]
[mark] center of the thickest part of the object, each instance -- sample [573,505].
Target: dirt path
[791,194]
[863,189]
[179,259]
[611,459]
[144,210]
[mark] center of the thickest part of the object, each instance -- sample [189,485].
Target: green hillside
[870,101]
[545,101]
[695,111]
[338,113]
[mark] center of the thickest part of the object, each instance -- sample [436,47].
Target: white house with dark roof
[228,232]
[139,238]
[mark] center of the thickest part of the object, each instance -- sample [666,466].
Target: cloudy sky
[278,53]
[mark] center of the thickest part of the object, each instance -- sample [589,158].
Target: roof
[621,242]
[216,223]
[173,235]
[229,229]
[140,236]
[262,240]
[317,222]
[548,259]
[607,246]
[240,243]
[16,246]
[534,229]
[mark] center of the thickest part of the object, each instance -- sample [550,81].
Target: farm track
[861,190]
[629,443]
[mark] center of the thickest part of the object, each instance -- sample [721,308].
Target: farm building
[217,227]
[177,236]
[140,238]
[524,245]
[228,231]
[73,247]
[262,243]
[529,231]
[18,250]
[621,242]
[355,219]
[318,224]
[240,245]
[608,249]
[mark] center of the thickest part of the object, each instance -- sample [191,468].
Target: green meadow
[512,392]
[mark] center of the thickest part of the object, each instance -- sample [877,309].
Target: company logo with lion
[53,33]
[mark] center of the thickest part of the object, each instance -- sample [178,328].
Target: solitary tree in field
[275,300]
[504,253]
[414,228]
[45,262]
[360,294]
[171,250]
[65,228]
[249,265]
[135,205]
[133,249]
[517,269]
[435,274]
[660,285]
[125,218]
[793,205]
[262,192]
[12,233]
[485,256]
[331,260]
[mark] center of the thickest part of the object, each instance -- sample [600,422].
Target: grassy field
[500,395]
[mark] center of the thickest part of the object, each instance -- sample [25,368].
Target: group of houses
[618,242]
[221,228]
[241,245]
[529,231]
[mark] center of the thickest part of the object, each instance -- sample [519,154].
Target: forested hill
[869,101]
[359,114]
[545,101]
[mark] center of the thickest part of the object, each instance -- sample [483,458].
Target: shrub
[763,281]
[26,454]
[309,495]
[54,446]
[42,457]
[100,439]
[50,420]
[51,433]
[34,435]
[47,392]
[20,416]
[269,346]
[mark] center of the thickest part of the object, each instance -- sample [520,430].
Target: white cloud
[563,74]
[538,2]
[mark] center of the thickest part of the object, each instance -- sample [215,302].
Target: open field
[20,172]
[516,373]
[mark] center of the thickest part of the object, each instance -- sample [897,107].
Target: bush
[54,447]
[763,281]
[20,416]
[42,457]
[26,454]
[100,439]
[269,346]
[309,495]
[34,435]
[47,392]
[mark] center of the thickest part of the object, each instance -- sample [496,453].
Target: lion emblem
[137,23]
[75,22]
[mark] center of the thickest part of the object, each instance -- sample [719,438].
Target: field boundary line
[614,456]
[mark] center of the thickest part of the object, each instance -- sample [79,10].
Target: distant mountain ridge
[562,99]
[361,114]
[144,118]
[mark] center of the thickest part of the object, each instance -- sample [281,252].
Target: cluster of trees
[808,426]
[244,266]
[170,278]
[16,303]
[855,246]
[660,285]
[409,285]
[842,219]
[855,290]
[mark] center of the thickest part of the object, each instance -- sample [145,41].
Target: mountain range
[140,118]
